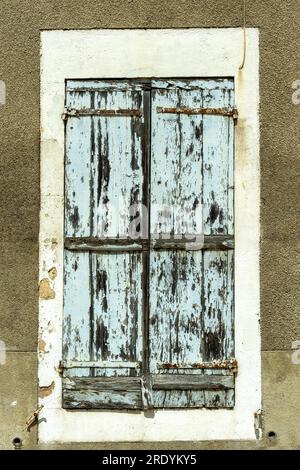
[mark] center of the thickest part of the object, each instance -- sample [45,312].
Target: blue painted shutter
[191,290]
[149,322]
[103,300]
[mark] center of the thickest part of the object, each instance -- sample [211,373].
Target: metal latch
[33,418]
[258,423]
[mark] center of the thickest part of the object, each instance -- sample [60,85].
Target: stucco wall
[20,26]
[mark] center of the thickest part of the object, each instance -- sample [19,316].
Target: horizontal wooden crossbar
[127,392]
[111,245]
[103,244]
[102,392]
[195,243]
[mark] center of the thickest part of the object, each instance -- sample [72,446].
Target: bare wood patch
[192,382]
[230,364]
[42,346]
[103,392]
[45,290]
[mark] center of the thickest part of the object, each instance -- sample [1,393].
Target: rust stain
[52,273]
[230,364]
[101,112]
[211,111]
[46,291]
[41,346]
[47,390]
[60,368]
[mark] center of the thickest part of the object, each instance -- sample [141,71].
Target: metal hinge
[230,111]
[229,364]
[60,368]
[235,115]
[71,112]
[97,365]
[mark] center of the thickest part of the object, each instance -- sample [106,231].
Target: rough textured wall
[20,24]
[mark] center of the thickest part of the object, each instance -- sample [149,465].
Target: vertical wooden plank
[117,303]
[215,277]
[217,163]
[118,179]
[175,307]
[175,276]
[117,166]
[176,161]
[77,169]
[146,152]
[218,302]
[218,318]
[76,324]
[76,319]
[104,178]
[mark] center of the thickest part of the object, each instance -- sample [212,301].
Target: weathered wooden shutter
[148,322]
[103,300]
[191,289]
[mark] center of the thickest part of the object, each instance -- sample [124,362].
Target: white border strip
[150,53]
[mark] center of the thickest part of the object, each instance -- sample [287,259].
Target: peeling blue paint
[189,318]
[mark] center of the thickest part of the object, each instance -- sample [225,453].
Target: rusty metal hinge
[71,112]
[235,115]
[230,111]
[229,364]
[60,368]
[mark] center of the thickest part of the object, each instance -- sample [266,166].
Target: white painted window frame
[150,53]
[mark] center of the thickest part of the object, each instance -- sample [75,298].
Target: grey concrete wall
[20,24]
